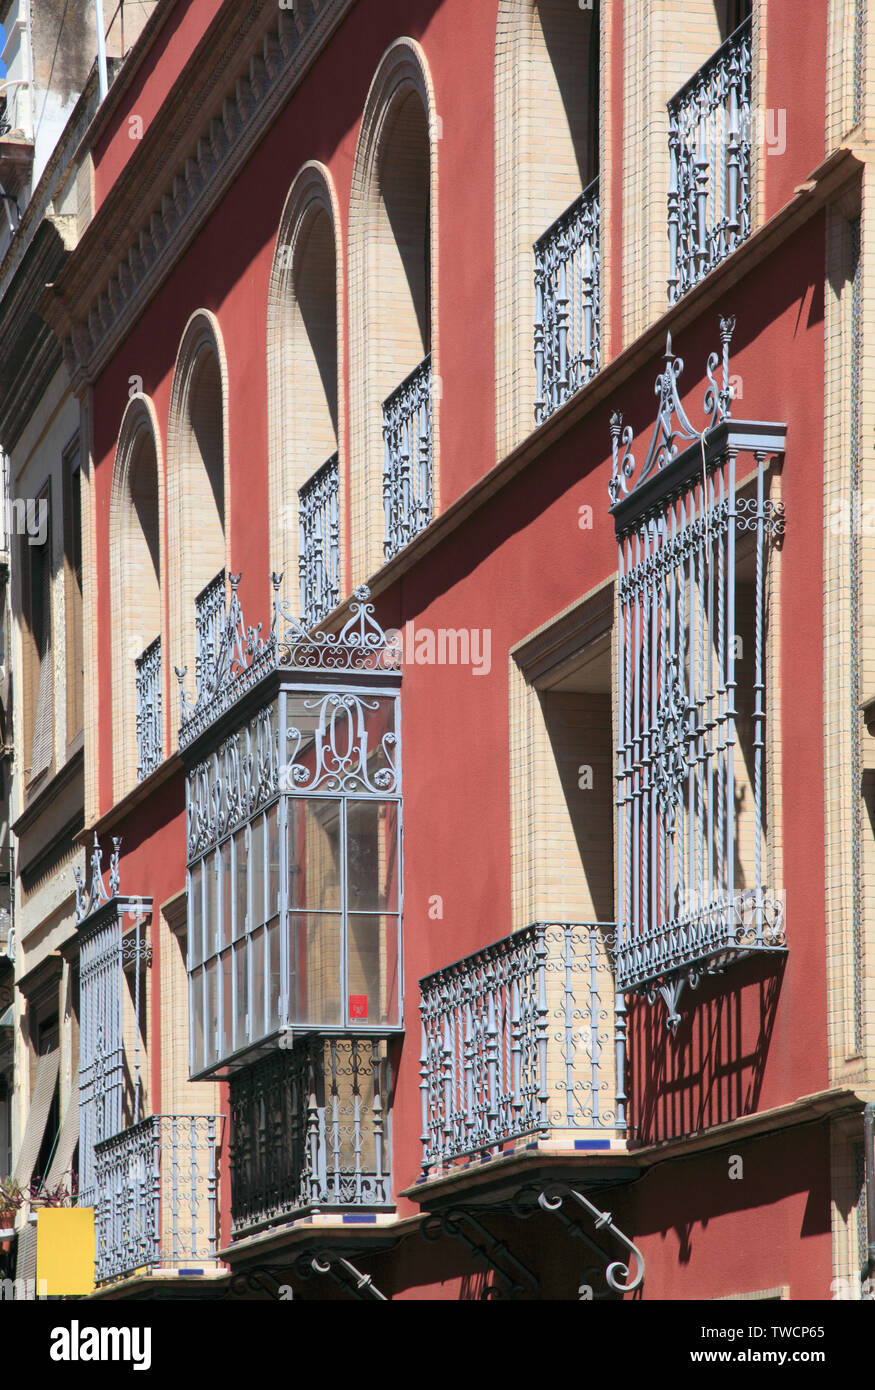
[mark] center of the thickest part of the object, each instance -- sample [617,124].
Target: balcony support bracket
[617,1274]
[671,988]
[342,1271]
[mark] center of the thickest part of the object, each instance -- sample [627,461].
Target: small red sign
[358,1006]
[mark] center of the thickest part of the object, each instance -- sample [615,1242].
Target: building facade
[474,775]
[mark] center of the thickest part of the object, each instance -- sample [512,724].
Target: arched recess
[198,486]
[546,154]
[305,376]
[392,281]
[137,563]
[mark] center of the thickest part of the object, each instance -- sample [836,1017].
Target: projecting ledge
[496,1179]
[326,1232]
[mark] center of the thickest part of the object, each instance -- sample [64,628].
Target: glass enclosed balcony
[294,838]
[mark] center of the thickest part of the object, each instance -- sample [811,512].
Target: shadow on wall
[712,1070]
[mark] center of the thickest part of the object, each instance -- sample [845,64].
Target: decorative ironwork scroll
[88,901]
[617,1274]
[241,657]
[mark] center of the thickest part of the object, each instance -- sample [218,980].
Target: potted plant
[12,1196]
[57,1196]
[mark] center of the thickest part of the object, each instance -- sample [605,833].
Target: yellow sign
[65,1250]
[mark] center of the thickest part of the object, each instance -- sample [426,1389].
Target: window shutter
[62,1164]
[43,1093]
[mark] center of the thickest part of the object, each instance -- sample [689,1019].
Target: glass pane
[273,974]
[372,856]
[256,870]
[195,917]
[227,1004]
[241,974]
[314,968]
[225,873]
[372,966]
[256,1027]
[314,854]
[273,862]
[241,852]
[212,905]
[197,1020]
[211,1011]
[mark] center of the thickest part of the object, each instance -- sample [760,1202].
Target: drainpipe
[869,1160]
[103,85]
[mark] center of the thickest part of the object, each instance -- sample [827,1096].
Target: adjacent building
[454,877]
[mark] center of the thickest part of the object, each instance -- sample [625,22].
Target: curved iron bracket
[551,1200]
[342,1271]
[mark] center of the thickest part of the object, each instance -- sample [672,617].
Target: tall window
[391,293]
[36,568]
[197,463]
[547,208]
[72,484]
[304,397]
[135,557]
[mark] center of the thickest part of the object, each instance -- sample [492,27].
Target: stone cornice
[226,97]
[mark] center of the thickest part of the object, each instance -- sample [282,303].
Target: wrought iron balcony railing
[157,1196]
[148,666]
[524,1038]
[210,621]
[709,147]
[408,464]
[319,544]
[567,303]
[308,1132]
